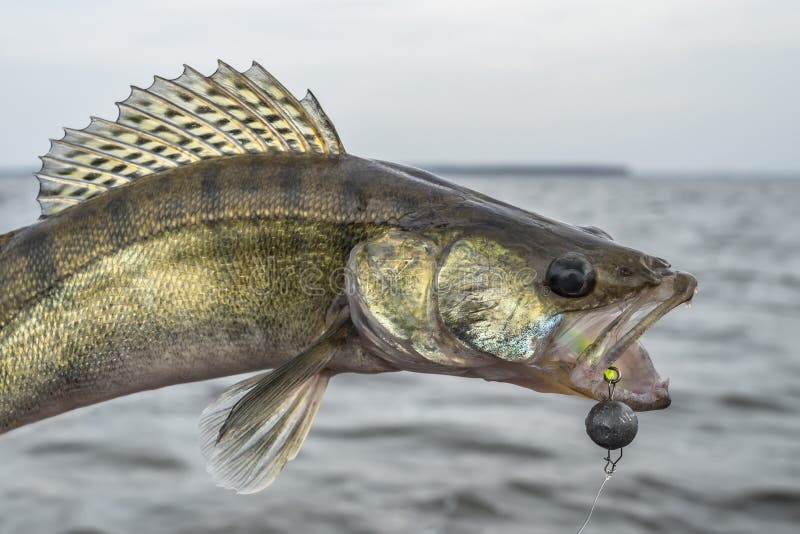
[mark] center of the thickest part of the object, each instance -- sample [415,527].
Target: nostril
[658,263]
[657,268]
[664,271]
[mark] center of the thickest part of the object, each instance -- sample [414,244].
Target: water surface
[412,453]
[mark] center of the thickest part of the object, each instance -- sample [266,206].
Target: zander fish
[218,227]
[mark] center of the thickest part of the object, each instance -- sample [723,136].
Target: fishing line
[591,510]
[612,425]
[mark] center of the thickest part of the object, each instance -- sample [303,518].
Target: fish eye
[571,276]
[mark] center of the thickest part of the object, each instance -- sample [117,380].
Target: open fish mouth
[588,343]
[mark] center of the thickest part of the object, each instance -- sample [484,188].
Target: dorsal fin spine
[97,152]
[244,106]
[313,119]
[182,109]
[321,121]
[278,111]
[77,181]
[310,125]
[244,129]
[174,130]
[87,168]
[66,199]
[179,122]
[287,95]
[224,68]
[116,141]
[133,105]
[316,133]
[189,155]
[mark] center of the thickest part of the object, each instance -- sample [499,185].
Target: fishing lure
[612,425]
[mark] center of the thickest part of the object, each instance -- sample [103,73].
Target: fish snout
[685,285]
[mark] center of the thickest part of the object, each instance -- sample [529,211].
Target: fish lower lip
[657,399]
[587,375]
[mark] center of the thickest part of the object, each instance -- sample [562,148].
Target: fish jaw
[586,344]
[640,387]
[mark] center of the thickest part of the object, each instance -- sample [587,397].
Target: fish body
[220,268]
[189,241]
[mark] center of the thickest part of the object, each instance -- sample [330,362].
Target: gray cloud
[681,85]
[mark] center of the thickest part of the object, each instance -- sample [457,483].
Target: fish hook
[612,376]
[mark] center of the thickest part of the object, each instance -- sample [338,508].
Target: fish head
[558,305]
[542,304]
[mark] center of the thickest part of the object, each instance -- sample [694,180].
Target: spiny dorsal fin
[178,122]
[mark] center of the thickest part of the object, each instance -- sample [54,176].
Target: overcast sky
[680,85]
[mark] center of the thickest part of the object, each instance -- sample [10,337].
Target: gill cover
[434,308]
[391,286]
[490,299]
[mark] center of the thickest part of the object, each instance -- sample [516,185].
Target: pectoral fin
[253,429]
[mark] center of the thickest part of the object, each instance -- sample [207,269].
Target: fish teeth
[662,385]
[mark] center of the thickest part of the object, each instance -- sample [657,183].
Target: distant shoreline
[531,170]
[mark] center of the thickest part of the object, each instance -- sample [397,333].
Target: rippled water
[412,453]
